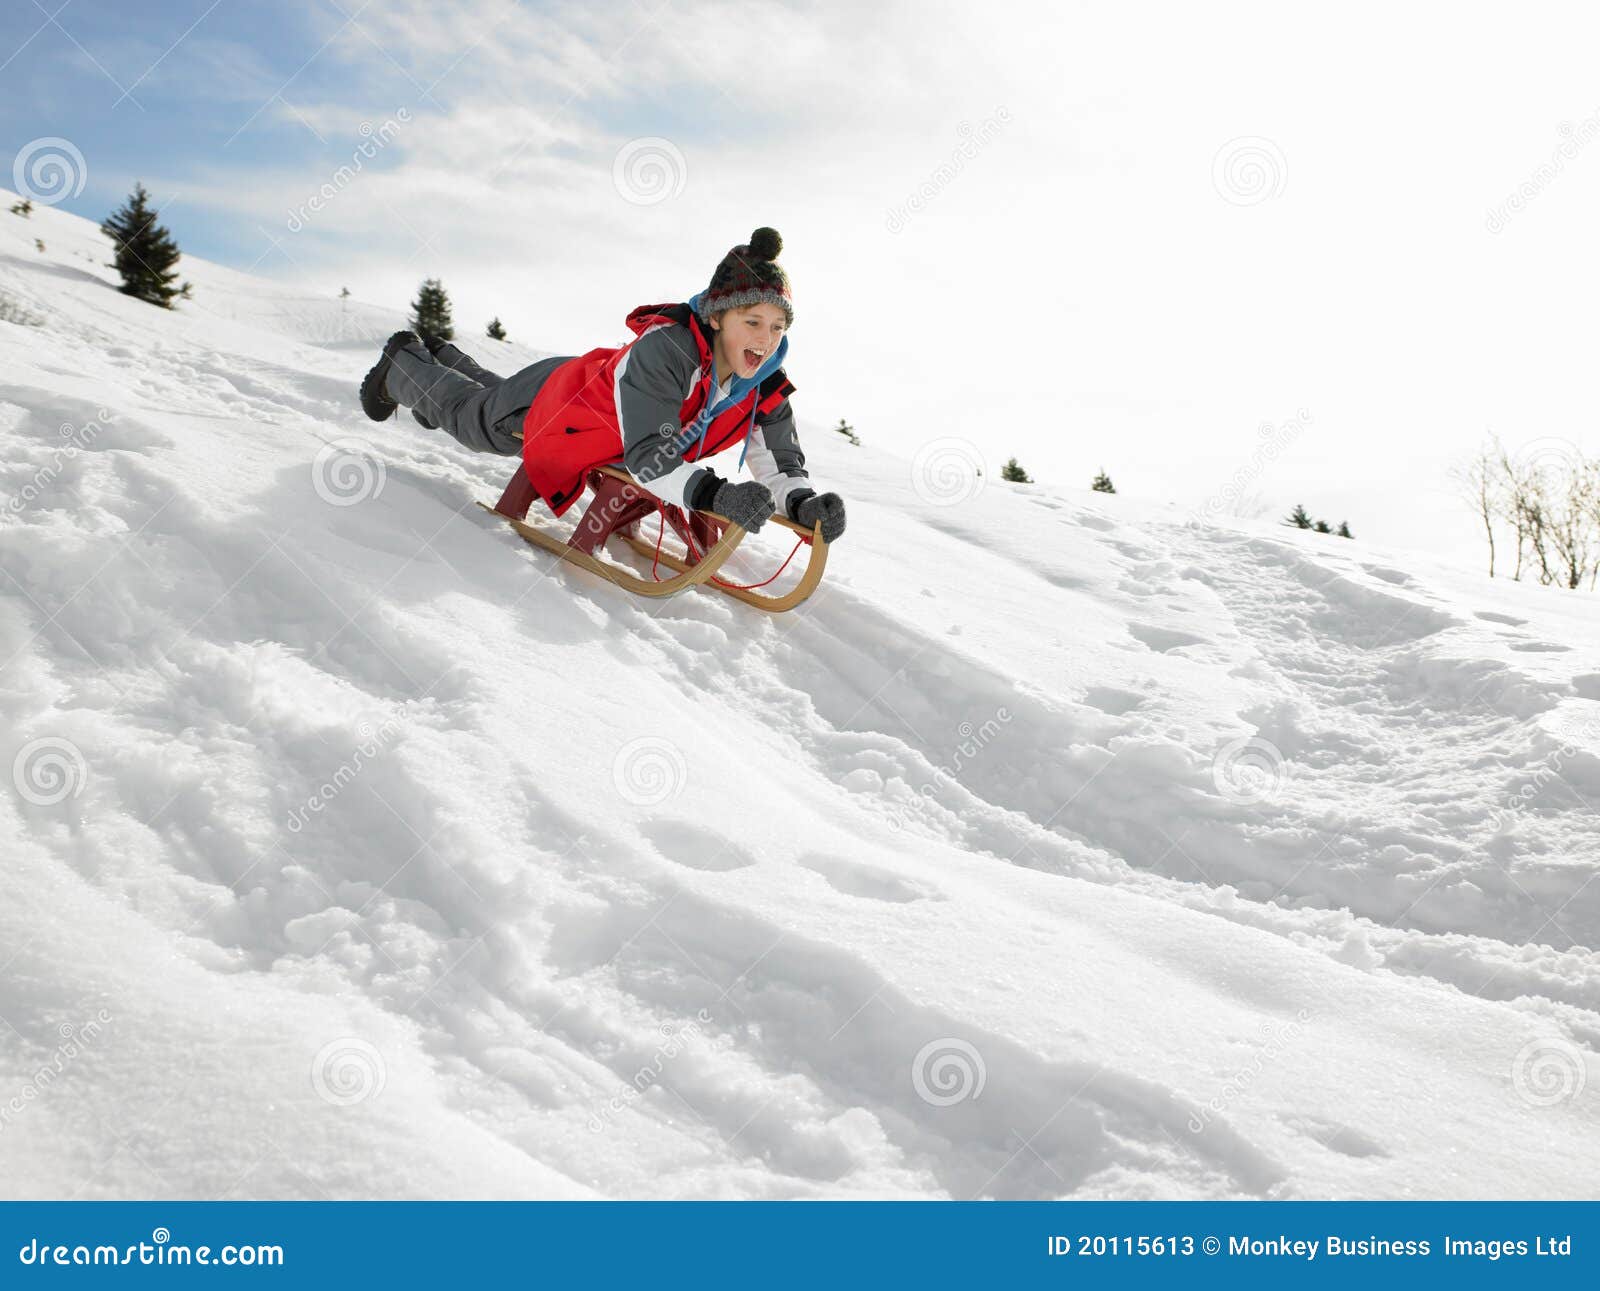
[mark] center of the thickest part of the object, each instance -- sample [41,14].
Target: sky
[1236,255]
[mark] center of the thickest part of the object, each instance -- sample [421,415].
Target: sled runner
[618,508]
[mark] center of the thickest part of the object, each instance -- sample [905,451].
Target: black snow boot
[375,400]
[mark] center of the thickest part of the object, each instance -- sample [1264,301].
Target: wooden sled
[619,505]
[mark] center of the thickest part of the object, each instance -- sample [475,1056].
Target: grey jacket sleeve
[652,381]
[774,458]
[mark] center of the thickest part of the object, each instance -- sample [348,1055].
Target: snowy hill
[1061,846]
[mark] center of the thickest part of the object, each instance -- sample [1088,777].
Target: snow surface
[963,880]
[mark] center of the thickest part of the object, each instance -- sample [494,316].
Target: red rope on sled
[688,542]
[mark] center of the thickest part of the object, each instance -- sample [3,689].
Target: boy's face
[745,337]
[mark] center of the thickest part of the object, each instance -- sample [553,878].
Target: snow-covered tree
[497,331]
[848,431]
[1298,518]
[1102,484]
[1013,471]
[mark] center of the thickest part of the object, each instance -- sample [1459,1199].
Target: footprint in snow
[1511,620]
[1108,699]
[1164,639]
[1335,1137]
[857,880]
[697,848]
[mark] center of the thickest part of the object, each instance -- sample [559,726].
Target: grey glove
[805,509]
[748,504]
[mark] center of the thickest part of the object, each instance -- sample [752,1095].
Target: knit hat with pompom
[750,275]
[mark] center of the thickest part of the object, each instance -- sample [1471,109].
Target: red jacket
[573,424]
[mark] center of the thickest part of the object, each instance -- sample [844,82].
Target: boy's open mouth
[752,359]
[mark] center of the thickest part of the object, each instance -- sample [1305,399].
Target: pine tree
[497,331]
[1344,529]
[430,312]
[23,208]
[1322,526]
[848,431]
[1102,484]
[145,252]
[1298,518]
[38,244]
[344,293]
[1013,471]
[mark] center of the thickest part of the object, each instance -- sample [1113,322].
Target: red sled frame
[618,506]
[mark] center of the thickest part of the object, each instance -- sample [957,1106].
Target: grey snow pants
[480,409]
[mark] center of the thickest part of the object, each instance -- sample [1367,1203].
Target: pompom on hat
[750,275]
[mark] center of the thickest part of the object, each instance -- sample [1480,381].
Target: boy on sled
[698,378]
